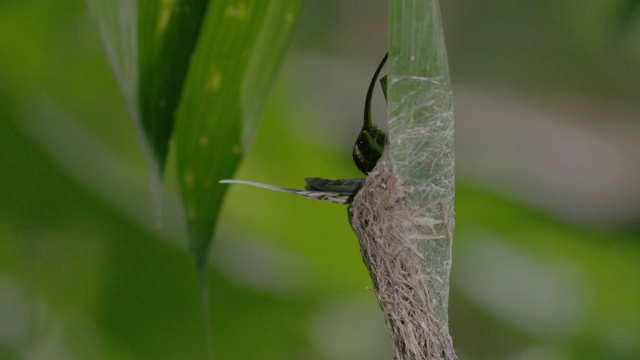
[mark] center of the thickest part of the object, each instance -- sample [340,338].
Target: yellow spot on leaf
[166,12]
[288,17]
[214,82]
[163,21]
[237,149]
[189,179]
[204,140]
[240,11]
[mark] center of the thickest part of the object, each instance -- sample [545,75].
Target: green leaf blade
[421,147]
[420,99]
[118,27]
[232,68]
[168,32]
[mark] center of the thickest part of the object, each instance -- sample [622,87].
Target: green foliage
[81,275]
[232,68]
[206,68]
[167,35]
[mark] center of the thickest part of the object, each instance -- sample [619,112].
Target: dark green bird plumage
[371,140]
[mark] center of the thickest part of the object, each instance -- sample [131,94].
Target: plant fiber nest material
[393,233]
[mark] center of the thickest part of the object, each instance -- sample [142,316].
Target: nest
[395,238]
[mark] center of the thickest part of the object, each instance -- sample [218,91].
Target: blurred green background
[547,245]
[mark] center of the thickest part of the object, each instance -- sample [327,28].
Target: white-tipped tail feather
[316,189]
[257,184]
